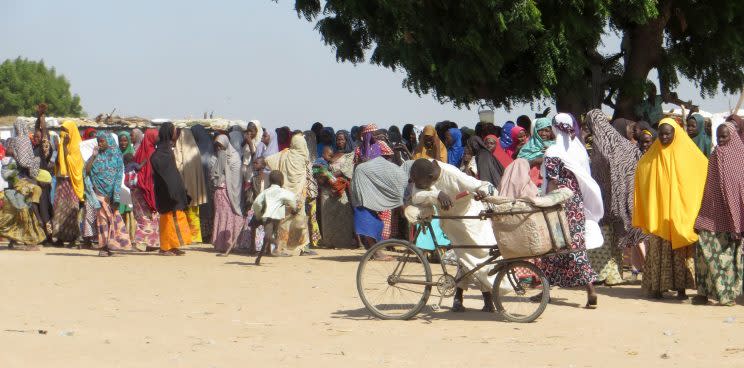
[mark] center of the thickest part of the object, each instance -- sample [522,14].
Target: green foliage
[25,84]
[517,51]
[706,44]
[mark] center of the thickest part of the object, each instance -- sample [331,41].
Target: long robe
[189,164]
[462,232]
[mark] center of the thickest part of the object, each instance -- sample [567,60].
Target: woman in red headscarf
[492,144]
[89,133]
[143,195]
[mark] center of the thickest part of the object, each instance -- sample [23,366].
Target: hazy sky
[245,60]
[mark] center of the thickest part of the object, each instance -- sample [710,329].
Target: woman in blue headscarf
[105,169]
[505,140]
[455,150]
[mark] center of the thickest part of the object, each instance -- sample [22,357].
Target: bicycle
[521,291]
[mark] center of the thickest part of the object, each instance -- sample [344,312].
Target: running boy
[269,208]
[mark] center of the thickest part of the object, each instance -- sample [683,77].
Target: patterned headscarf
[369,149]
[23,150]
[108,169]
[739,122]
[385,150]
[614,162]
[564,123]
[575,159]
[722,208]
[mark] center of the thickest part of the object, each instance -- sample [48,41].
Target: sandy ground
[143,310]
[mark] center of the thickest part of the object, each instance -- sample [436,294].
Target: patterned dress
[719,266]
[667,268]
[572,269]
[607,260]
[66,208]
[147,221]
[228,225]
[112,232]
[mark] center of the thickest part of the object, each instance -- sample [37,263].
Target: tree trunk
[571,101]
[644,53]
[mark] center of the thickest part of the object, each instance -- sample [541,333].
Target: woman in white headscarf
[566,165]
[225,178]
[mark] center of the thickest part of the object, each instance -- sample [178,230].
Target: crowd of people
[663,198]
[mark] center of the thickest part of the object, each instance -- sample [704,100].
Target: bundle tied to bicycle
[524,227]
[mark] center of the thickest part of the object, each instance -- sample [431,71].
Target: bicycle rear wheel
[396,289]
[521,292]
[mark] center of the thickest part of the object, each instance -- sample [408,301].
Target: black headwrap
[489,168]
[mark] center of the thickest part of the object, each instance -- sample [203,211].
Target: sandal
[178,252]
[382,257]
[166,253]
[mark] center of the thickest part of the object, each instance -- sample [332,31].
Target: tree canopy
[25,84]
[517,51]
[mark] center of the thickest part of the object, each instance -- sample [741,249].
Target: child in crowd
[258,182]
[269,208]
[130,171]
[468,165]
[325,159]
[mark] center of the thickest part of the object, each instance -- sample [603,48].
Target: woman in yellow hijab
[430,146]
[669,186]
[70,187]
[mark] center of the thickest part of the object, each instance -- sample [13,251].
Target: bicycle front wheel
[395,288]
[521,292]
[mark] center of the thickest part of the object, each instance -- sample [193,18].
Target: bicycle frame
[494,250]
